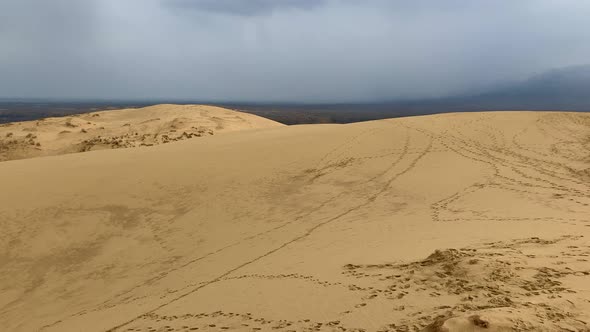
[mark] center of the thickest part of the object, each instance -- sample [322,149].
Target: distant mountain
[564,89]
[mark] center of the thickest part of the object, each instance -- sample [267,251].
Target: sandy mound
[454,222]
[517,285]
[120,129]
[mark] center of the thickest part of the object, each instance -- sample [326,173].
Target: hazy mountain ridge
[564,89]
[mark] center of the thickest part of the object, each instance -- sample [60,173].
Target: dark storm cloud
[263,50]
[245,8]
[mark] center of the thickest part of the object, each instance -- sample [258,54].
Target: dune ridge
[450,222]
[116,129]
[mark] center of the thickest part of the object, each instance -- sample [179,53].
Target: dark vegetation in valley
[285,113]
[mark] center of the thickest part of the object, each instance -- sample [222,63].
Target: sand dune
[452,222]
[120,129]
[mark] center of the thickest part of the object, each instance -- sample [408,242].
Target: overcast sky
[282,50]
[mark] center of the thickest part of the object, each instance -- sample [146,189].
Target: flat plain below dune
[451,222]
[134,127]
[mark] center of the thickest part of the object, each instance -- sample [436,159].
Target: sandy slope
[454,222]
[120,129]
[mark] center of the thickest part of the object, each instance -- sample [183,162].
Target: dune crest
[117,129]
[446,223]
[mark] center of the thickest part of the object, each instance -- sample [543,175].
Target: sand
[451,222]
[118,129]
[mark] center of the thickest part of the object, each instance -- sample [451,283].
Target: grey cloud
[332,50]
[45,45]
[244,8]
